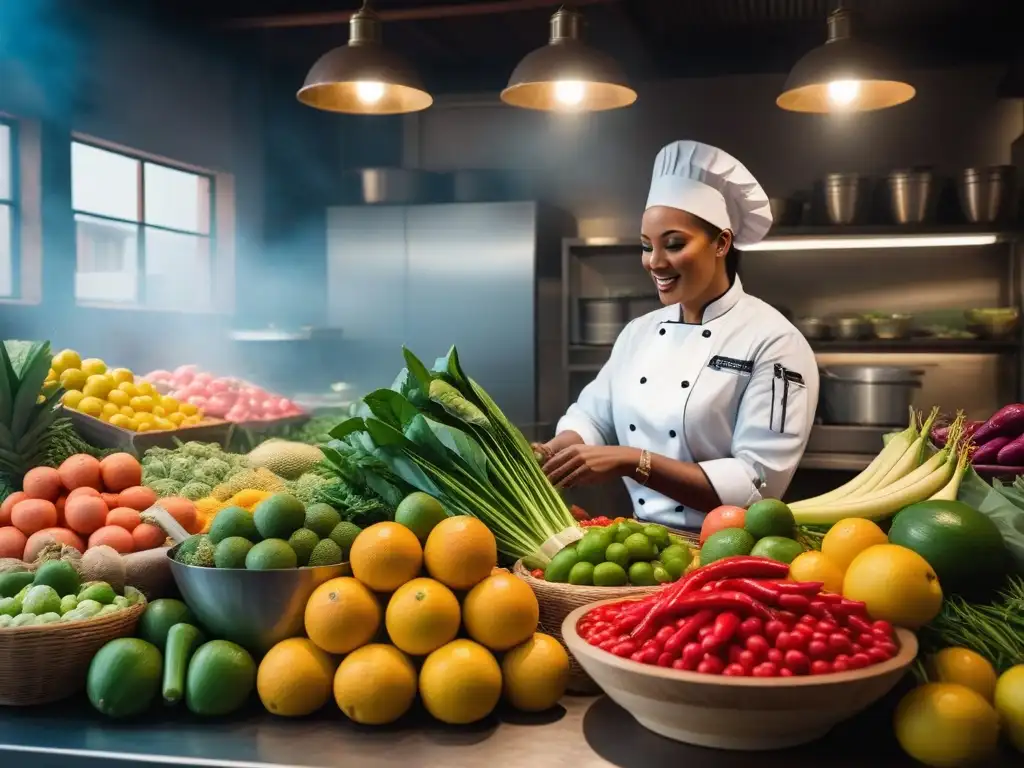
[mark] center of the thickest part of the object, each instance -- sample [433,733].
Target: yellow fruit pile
[955,720]
[114,395]
[459,680]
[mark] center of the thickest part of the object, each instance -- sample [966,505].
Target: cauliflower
[181,469]
[211,471]
[200,450]
[165,487]
[154,469]
[195,490]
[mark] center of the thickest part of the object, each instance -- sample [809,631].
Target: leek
[439,432]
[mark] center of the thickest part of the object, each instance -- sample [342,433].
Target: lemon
[91,406]
[121,375]
[375,684]
[460,682]
[896,584]
[66,358]
[73,378]
[963,667]
[144,418]
[142,403]
[535,674]
[71,398]
[159,423]
[176,418]
[946,725]
[132,425]
[98,385]
[814,566]
[169,404]
[144,426]
[848,538]
[109,409]
[188,409]
[118,398]
[93,366]
[190,421]
[146,388]
[158,410]
[295,678]
[128,387]
[128,411]
[1009,699]
[122,421]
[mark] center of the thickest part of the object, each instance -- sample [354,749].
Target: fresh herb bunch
[995,629]
[439,432]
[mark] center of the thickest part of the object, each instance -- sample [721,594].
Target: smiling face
[684,256]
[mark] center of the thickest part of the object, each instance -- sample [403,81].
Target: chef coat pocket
[788,413]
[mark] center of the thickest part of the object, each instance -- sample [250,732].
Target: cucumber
[560,565]
[530,563]
[12,583]
[182,641]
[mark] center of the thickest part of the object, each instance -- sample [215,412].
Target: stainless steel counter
[584,733]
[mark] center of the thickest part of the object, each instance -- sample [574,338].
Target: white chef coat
[735,394]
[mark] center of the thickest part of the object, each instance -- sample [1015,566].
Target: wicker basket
[47,663]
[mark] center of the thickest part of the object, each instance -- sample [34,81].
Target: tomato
[722,517]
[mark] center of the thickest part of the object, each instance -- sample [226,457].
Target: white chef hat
[714,185]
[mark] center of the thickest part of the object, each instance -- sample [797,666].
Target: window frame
[13,203]
[219,257]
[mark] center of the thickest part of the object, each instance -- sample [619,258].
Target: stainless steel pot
[867,395]
[910,195]
[602,320]
[813,328]
[845,194]
[986,194]
[850,327]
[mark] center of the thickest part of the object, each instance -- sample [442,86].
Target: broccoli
[154,469]
[195,490]
[181,469]
[165,487]
[200,450]
[305,488]
[196,550]
[211,471]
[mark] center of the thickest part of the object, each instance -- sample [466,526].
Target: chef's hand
[544,451]
[588,465]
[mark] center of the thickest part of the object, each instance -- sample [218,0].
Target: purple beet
[989,452]
[1008,420]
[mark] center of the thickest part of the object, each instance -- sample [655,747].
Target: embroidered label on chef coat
[720,363]
[789,395]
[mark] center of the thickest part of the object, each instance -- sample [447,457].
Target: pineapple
[28,398]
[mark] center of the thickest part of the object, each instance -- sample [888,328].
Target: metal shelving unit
[582,361]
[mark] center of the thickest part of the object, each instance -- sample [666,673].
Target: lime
[613,530]
[726,543]
[642,575]
[658,534]
[606,535]
[420,512]
[561,564]
[618,554]
[582,574]
[674,538]
[675,552]
[676,567]
[609,575]
[777,548]
[769,517]
[661,574]
[635,526]
[41,599]
[590,549]
[623,533]
[640,547]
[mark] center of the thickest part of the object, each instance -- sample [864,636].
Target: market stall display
[224,397]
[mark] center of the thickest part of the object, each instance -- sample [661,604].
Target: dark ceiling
[652,38]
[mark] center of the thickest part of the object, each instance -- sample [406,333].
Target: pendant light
[567,75]
[845,74]
[364,77]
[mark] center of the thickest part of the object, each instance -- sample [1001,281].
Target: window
[9,278]
[145,231]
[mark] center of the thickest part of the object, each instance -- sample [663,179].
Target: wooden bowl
[740,713]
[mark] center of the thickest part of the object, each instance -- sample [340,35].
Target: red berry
[649,656]
[807,619]
[827,626]
[859,661]
[820,667]
[882,627]
[782,640]
[817,649]
[785,672]
[877,655]
[704,631]
[665,660]
[765,670]
[840,666]
[747,659]
[866,640]
[734,670]
[607,645]
[757,645]
[692,654]
[798,662]
[775,656]
[711,665]
[678,664]
[839,642]
[772,629]
[749,627]
[787,617]
[734,654]
[889,648]
[664,634]
[624,649]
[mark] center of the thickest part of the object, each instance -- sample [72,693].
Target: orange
[421,616]
[535,674]
[896,584]
[460,682]
[501,611]
[342,615]
[385,556]
[963,667]
[294,678]
[848,538]
[375,685]
[460,552]
[814,566]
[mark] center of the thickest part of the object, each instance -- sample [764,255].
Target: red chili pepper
[764,591]
[809,588]
[857,624]
[724,601]
[829,598]
[688,631]
[726,568]
[724,628]
[797,603]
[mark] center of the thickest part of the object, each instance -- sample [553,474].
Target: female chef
[709,400]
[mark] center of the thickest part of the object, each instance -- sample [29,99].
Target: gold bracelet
[643,467]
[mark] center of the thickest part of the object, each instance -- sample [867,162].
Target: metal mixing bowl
[994,322]
[845,197]
[850,327]
[891,326]
[813,328]
[256,609]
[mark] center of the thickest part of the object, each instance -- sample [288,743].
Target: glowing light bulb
[570,92]
[843,93]
[369,92]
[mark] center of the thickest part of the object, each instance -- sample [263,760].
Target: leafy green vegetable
[1003,504]
[439,432]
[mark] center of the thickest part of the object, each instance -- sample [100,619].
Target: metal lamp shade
[568,75]
[843,60]
[338,82]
